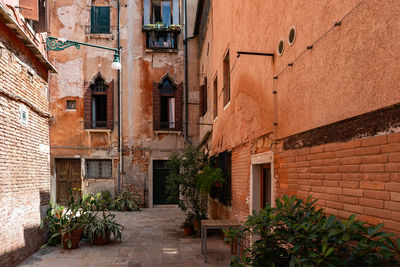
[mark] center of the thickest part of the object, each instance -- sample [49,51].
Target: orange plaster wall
[351,71]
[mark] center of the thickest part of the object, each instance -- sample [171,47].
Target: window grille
[98,168]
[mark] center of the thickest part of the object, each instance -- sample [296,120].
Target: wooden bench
[215,224]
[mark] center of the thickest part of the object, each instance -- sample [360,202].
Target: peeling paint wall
[140,69]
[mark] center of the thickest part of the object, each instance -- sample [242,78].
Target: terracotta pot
[100,240]
[74,236]
[196,225]
[188,230]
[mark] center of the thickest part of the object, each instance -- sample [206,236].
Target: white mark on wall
[67,16]
[71,82]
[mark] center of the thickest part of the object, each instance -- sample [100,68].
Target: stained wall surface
[141,68]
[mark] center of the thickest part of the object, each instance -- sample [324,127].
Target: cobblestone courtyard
[152,237]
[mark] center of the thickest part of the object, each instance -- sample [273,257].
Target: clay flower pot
[99,240]
[73,236]
[188,231]
[196,225]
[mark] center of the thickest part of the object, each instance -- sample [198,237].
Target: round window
[292,35]
[281,47]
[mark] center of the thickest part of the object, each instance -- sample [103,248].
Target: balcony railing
[98,124]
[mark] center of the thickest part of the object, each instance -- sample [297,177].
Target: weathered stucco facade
[333,92]
[24,136]
[143,69]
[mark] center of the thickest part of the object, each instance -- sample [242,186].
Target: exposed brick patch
[359,176]
[24,162]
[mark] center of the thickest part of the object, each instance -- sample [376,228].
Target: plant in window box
[149,27]
[175,27]
[99,230]
[127,201]
[159,25]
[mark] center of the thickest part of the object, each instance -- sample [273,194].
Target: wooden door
[266,190]
[68,174]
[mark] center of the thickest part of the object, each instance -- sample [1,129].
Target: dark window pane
[161,40]
[71,104]
[100,19]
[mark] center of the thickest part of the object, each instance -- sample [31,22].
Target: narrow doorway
[68,175]
[265,192]
[160,173]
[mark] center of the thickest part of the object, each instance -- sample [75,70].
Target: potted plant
[99,230]
[127,201]
[182,183]
[187,225]
[68,223]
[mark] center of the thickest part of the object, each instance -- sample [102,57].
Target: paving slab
[152,237]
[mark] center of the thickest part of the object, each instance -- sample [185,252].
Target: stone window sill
[170,51]
[167,132]
[107,36]
[98,131]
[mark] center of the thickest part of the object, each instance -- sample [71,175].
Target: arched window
[99,104]
[167,105]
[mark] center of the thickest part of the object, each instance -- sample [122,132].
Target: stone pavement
[152,237]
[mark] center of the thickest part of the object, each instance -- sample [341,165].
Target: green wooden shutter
[100,19]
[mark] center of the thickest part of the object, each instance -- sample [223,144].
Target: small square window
[23,115]
[98,168]
[71,104]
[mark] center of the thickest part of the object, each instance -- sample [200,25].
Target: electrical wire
[336,24]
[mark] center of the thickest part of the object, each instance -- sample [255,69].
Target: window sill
[91,179]
[168,132]
[161,50]
[215,119]
[108,36]
[98,130]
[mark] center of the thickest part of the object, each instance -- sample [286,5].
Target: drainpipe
[119,92]
[186,76]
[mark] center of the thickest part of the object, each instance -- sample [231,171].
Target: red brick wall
[359,176]
[24,161]
[240,188]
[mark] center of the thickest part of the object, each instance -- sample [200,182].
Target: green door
[160,173]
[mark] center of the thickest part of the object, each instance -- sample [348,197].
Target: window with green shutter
[100,19]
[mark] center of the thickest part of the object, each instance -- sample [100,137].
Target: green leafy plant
[208,178]
[127,201]
[181,183]
[55,221]
[103,227]
[63,221]
[98,202]
[296,233]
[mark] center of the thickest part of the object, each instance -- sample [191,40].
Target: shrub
[181,183]
[296,233]
[127,201]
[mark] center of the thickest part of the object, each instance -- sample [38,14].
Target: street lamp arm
[58,44]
